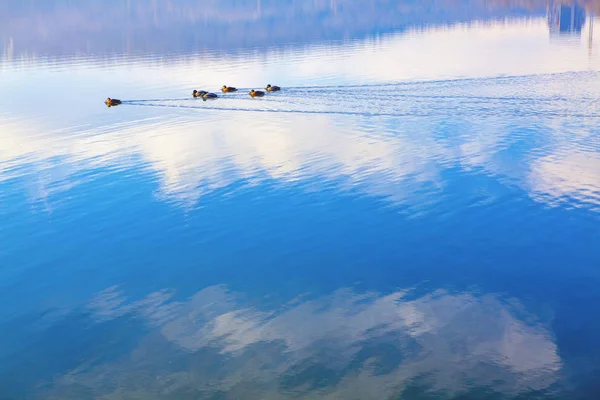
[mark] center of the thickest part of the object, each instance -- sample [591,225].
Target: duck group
[230,89]
[204,95]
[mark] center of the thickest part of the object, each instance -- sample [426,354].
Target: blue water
[416,215]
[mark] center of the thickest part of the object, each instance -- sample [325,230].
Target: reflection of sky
[386,156]
[341,177]
[441,335]
[293,146]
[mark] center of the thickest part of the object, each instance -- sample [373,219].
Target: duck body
[112,102]
[227,89]
[273,88]
[257,93]
[209,96]
[200,93]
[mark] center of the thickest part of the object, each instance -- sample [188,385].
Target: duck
[207,95]
[272,88]
[226,89]
[200,93]
[112,102]
[257,93]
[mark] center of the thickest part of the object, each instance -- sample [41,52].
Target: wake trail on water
[523,96]
[372,114]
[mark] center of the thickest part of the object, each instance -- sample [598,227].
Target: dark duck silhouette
[272,88]
[227,89]
[112,102]
[257,93]
[204,94]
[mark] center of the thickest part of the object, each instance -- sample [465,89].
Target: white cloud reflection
[192,161]
[429,127]
[401,159]
[558,179]
[456,340]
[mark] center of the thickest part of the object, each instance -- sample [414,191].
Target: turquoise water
[416,215]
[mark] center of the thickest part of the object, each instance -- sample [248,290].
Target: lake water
[416,215]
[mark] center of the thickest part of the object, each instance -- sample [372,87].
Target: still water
[416,215]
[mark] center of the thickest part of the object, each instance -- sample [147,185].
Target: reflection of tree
[590,5]
[186,25]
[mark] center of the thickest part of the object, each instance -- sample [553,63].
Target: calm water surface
[416,215]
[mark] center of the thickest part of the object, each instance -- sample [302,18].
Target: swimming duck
[112,102]
[207,95]
[200,93]
[257,93]
[272,88]
[226,89]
